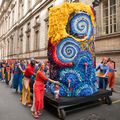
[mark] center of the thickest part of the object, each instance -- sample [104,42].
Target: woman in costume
[111,74]
[3,70]
[29,71]
[11,75]
[7,73]
[103,73]
[15,76]
[21,69]
[38,101]
[0,71]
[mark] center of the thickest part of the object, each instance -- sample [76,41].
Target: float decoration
[71,49]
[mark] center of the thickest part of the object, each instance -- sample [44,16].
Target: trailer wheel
[108,100]
[62,114]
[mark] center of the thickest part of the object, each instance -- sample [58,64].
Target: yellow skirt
[9,76]
[26,91]
[3,74]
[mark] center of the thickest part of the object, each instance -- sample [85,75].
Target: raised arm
[98,67]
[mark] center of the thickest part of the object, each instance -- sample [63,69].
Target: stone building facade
[108,32]
[23,28]
[24,25]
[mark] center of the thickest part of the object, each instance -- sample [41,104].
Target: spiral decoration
[81,26]
[68,49]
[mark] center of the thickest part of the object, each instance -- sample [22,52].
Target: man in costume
[29,71]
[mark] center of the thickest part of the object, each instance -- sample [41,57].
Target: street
[11,108]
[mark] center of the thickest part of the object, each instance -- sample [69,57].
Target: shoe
[39,113]
[35,115]
[20,99]
[29,105]
[16,91]
[113,90]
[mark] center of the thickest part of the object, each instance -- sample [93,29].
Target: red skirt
[39,96]
[111,79]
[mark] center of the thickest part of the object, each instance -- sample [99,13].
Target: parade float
[71,53]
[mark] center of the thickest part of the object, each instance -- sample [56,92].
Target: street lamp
[96,3]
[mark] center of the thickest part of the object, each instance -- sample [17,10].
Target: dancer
[103,74]
[29,71]
[38,100]
[111,74]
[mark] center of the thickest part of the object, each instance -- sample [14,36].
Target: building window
[37,20]
[5,24]
[109,17]
[28,43]
[21,41]
[12,17]
[37,33]
[21,8]
[36,42]
[11,46]
[28,37]
[46,30]
[8,47]
[21,32]
[21,45]
[29,4]
[28,26]
[9,22]
[22,12]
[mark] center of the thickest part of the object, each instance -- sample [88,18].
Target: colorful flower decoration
[71,49]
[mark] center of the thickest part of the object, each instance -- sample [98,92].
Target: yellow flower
[58,20]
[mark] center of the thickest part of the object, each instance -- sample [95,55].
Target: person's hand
[56,82]
[34,74]
[104,76]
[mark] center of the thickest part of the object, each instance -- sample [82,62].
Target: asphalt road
[11,109]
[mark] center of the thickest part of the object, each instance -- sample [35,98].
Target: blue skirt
[15,81]
[0,75]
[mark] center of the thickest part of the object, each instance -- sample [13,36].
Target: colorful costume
[103,81]
[26,88]
[39,90]
[3,71]
[15,76]
[20,76]
[111,74]
[0,71]
[7,74]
